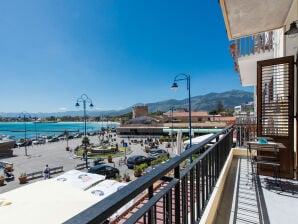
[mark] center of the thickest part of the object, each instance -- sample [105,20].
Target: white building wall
[248,67]
[292,40]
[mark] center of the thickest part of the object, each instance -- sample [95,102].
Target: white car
[38,141]
[156,153]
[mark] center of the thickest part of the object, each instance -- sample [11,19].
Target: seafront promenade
[54,154]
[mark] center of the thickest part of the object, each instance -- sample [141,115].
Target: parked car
[106,170]
[35,142]
[156,153]
[98,161]
[137,160]
[54,139]
[24,143]
[61,138]
[78,135]
[38,141]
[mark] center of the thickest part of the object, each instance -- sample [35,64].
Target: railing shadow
[249,204]
[288,188]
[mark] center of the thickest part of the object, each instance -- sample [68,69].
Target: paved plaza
[54,154]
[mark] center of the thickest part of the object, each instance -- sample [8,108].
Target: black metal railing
[172,193]
[259,43]
[246,129]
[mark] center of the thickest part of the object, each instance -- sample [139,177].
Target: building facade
[264,45]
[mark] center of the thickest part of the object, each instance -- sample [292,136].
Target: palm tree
[66,135]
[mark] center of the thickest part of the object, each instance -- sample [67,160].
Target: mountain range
[207,102]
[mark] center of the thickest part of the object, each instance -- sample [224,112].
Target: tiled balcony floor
[257,200]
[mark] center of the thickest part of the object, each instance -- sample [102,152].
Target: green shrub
[164,158]
[140,168]
[86,141]
[137,168]
[159,160]
[21,140]
[154,162]
[185,138]
[161,138]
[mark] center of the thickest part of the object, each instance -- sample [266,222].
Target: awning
[108,187]
[198,139]
[45,201]
[195,130]
[246,18]
[79,179]
[105,188]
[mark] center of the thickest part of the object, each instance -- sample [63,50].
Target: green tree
[219,107]
[156,113]
[51,118]
[85,141]
[229,112]
[213,112]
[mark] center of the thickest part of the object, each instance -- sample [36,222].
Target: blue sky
[118,52]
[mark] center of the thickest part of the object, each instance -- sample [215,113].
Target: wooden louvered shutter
[275,107]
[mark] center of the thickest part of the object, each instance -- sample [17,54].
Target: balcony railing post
[177,195]
[207,175]
[245,46]
[168,207]
[191,182]
[151,212]
[213,167]
[198,188]
[203,182]
[184,199]
[210,172]
[248,46]
[217,162]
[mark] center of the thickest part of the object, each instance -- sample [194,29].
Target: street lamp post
[35,118]
[182,77]
[85,99]
[25,116]
[172,133]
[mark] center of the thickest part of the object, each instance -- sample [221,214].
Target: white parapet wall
[214,201]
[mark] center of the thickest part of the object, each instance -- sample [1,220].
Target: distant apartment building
[182,116]
[219,118]
[244,108]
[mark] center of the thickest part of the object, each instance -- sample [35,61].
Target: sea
[16,130]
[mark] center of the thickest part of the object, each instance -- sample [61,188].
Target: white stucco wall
[248,67]
[292,40]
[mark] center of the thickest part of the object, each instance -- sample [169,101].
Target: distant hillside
[206,102]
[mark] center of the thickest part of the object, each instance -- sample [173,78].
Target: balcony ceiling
[248,17]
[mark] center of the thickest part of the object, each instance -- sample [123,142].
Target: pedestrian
[46,172]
